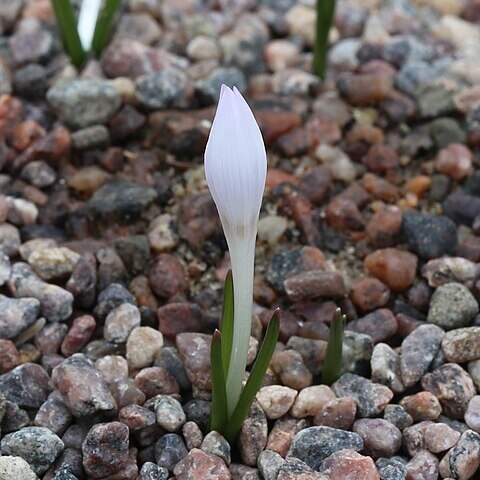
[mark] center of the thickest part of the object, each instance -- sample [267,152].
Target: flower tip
[224,90]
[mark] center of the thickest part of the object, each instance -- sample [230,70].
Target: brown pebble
[78,335]
[337,413]
[369,294]
[282,433]
[380,437]
[439,437]
[346,464]
[384,228]
[455,160]
[314,284]
[9,357]
[154,381]
[381,159]
[422,406]
[193,318]
[343,214]
[380,325]
[168,276]
[291,369]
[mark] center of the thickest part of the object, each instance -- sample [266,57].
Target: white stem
[242,253]
[87,20]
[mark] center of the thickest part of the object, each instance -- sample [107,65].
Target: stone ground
[112,255]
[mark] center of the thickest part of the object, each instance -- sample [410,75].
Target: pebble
[393,267]
[169,88]
[380,437]
[453,386]
[462,345]
[9,239]
[429,236]
[192,434]
[30,45]
[472,415]
[314,284]
[208,88]
[143,345]
[16,315]
[463,460]
[120,322]
[194,350]
[37,445]
[294,468]
[281,54]
[134,250]
[384,228]
[364,89]
[169,412]
[371,398]
[269,464]
[423,465]
[21,212]
[385,365]
[310,401]
[391,468]
[337,413]
[78,335]
[452,306]
[39,174]
[83,281]
[313,445]
[252,438]
[198,464]
[422,406]
[15,468]
[445,131]
[82,103]
[347,463]
[9,356]
[53,414]
[380,325]
[152,471]
[105,449]
[439,437]
[69,379]
[397,415]
[95,136]
[276,400]
[455,160]
[369,294]
[26,386]
[215,444]
[418,350]
[291,369]
[30,81]
[167,276]
[154,381]
[169,450]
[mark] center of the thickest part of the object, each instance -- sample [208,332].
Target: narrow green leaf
[226,323]
[67,25]
[255,379]
[332,365]
[218,416]
[325,15]
[104,25]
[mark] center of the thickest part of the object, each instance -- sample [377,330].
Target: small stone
[143,345]
[429,236]
[371,398]
[293,468]
[37,445]
[27,385]
[78,335]
[198,464]
[152,471]
[418,351]
[343,214]
[269,464]
[31,81]
[462,345]
[422,406]
[154,381]
[9,239]
[209,88]
[463,460]
[215,444]
[83,281]
[454,161]
[393,267]
[192,434]
[439,437]
[364,89]
[253,435]
[39,174]
[112,367]
[202,47]
[120,322]
[397,415]
[170,414]
[385,364]
[472,415]
[16,315]
[15,468]
[167,276]
[453,386]
[9,356]
[380,325]
[105,449]
[169,88]
[391,468]
[71,376]
[289,365]
[446,131]
[276,400]
[30,45]
[134,250]
[380,437]
[369,294]
[310,400]
[194,349]
[346,463]
[313,284]
[337,413]
[423,465]
[452,306]
[169,450]
[314,444]
[281,54]
[53,414]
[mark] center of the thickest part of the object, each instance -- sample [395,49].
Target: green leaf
[255,379]
[332,365]
[325,15]
[218,416]
[67,24]
[104,25]
[226,322]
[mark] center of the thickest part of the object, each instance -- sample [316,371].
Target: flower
[236,169]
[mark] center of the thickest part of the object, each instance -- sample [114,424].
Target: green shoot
[104,26]
[332,366]
[325,16]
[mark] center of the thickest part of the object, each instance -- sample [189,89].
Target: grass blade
[332,365]
[104,25]
[255,379]
[67,24]
[218,416]
[226,322]
[325,15]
